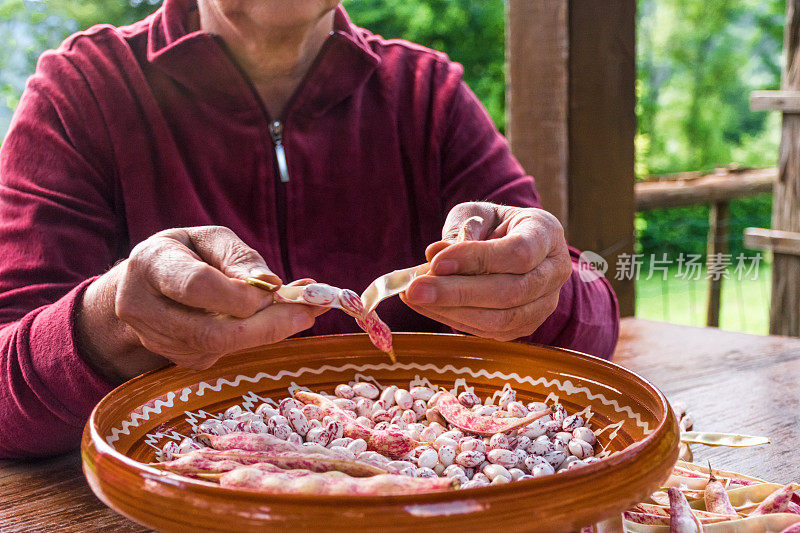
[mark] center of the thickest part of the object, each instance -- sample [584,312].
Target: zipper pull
[276,132]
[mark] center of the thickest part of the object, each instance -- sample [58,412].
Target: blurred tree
[471,32]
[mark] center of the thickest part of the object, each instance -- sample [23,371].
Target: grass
[744,303]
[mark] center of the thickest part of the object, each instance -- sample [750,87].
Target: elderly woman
[149,169]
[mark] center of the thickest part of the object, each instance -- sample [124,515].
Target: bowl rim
[106,451]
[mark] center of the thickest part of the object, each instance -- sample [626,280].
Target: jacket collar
[199,61]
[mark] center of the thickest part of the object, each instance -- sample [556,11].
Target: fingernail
[446,267]
[422,293]
[264,274]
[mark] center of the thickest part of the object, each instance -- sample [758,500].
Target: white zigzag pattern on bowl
[566,386]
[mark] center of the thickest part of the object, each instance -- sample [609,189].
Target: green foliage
[697,63]
[469,31]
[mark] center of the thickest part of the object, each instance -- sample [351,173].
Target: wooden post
[571,119]
[784,316]
[718,221]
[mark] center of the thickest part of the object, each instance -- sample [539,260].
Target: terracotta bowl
[129,424]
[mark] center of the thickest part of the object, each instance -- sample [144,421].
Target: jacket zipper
[276,132]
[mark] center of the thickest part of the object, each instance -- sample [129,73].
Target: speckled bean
[493,470]
[555,458]
[522,442]
[580,449]
[585,434]
[232,412]
[499,441]
[571,423]
[344,391]
[454,470]
[428,458]
[403,399]
[503,457]
[516,473]
[471,443]
[281,431]
[540,445]
[298,421]
[534,460]
[345,403]
[288,403]
[447,454]
[486,410]
[469,399]
[542,470]
[507,397]
[422,393]
[363,407]
[357,446]
[420,408]
[380,416]
[266,411]
[366,390]
[470,458]
[559,413]
[387,395]
[441,440]
[517,409]
[425,472]
[536,406]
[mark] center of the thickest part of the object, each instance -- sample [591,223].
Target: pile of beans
[552,443]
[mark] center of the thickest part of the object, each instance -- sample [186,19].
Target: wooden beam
[601,128]
[536,95]
[718,221]
[707,189]
[785,303]
[786,101]
[571,120]
[779,242]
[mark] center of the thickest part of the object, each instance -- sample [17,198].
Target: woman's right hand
[181,297]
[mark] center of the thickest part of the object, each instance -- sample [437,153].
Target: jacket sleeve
[56,232]
[477,165]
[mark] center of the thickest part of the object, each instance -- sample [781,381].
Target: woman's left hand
[500,287]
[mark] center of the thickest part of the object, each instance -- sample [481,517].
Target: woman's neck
[275,57]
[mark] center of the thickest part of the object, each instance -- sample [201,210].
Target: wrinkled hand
[181,295]
[500,287]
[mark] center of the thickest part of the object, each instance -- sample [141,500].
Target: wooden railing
[715,190]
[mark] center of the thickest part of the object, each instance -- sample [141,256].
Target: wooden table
[731,382]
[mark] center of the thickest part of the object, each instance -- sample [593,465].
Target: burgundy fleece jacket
[123,132]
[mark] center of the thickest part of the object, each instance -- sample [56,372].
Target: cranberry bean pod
[389,442]
[681,519]
[777,502]
[716,498]
[461,417]
[314,483]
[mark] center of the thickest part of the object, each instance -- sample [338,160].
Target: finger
[459,214]
[494,291]
[435,248]
[172,269]
[493,323]
[528,241]
[192,338]
[223,249]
